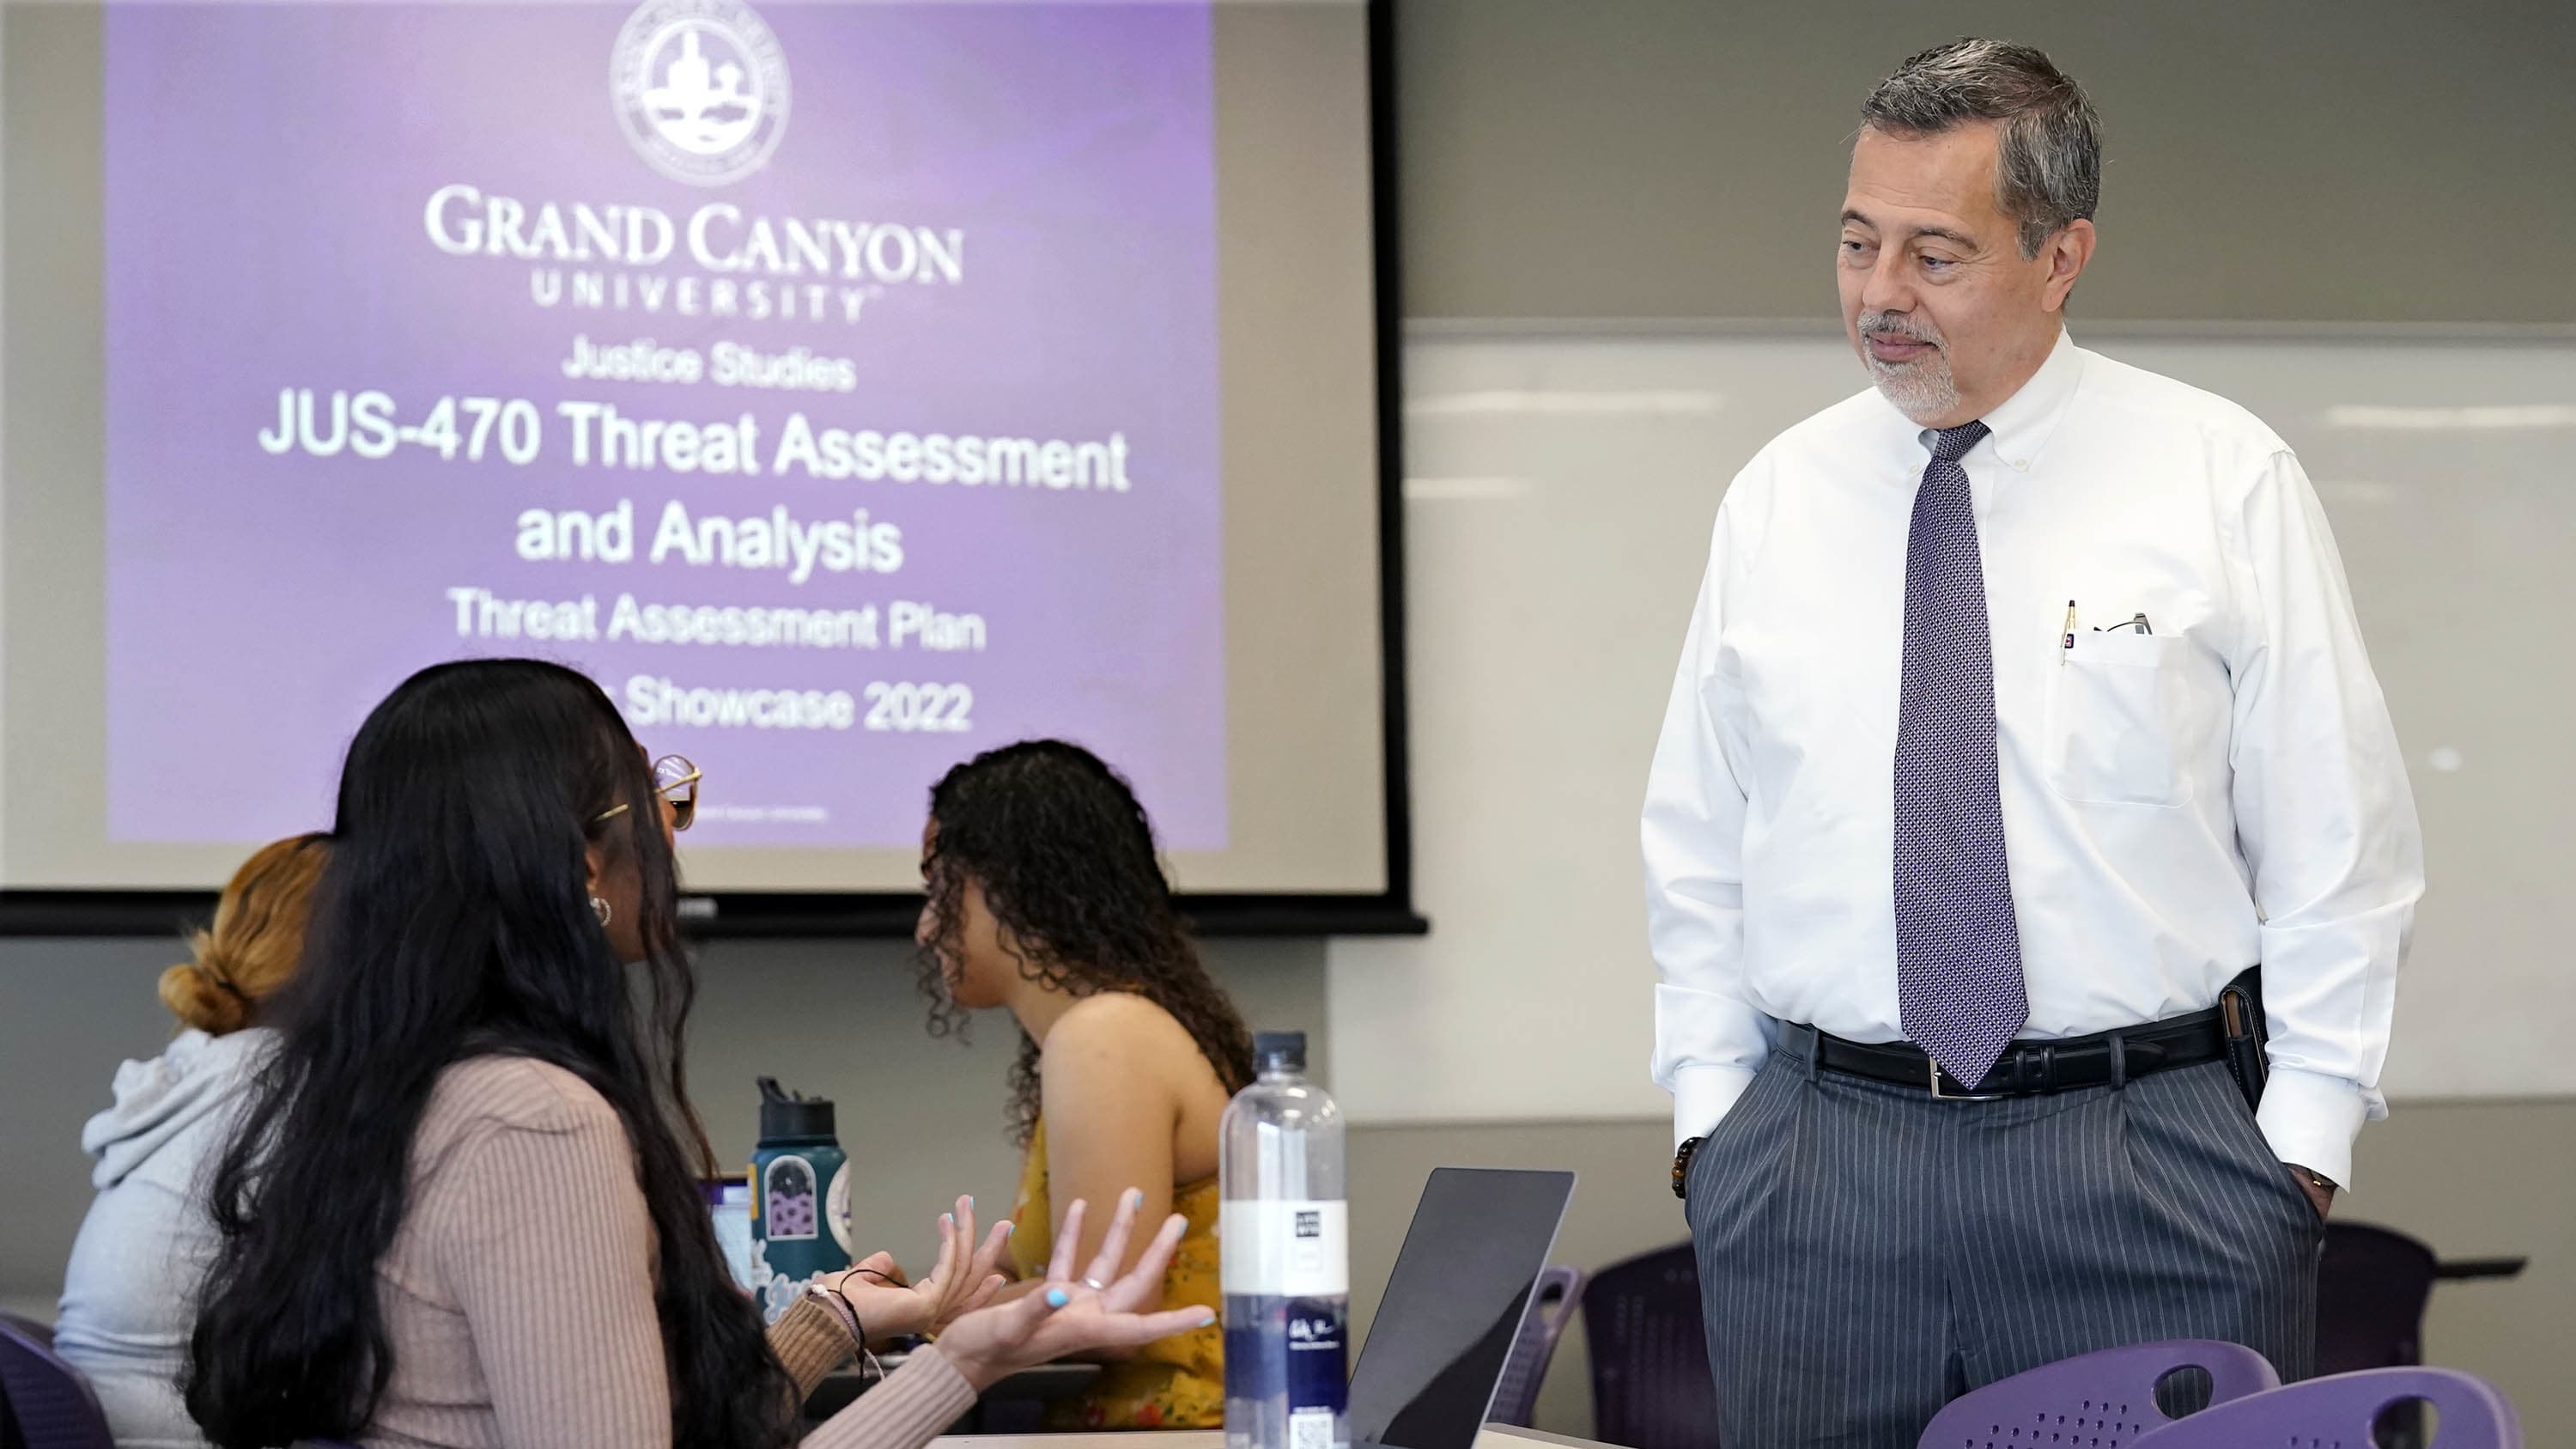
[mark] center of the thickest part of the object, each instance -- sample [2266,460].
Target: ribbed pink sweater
[518,1293]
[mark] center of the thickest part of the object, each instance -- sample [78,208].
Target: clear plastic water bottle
[1285,1238]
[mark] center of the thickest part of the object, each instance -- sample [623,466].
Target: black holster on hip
[2240,1019]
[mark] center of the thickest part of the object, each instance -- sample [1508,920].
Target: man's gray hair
[2048,165]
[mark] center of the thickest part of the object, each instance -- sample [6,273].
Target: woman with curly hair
[1046,898]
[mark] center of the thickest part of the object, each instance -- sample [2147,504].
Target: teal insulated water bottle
[800,1198]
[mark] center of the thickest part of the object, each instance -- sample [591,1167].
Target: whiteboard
[1557,509]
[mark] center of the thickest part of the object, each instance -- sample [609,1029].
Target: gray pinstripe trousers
[1867,1254]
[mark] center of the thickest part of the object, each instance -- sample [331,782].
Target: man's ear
[2067,254]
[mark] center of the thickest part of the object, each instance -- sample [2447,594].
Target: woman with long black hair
[462,1208]
[1046,898]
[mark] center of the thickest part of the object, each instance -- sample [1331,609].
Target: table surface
[1042,1383]
[1494,1436]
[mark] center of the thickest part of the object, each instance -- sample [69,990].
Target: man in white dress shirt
[2022,711]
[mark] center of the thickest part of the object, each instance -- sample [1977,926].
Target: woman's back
[127,1305]
[517,1294]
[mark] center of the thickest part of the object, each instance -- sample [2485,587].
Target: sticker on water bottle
[1284,1249]
[791,1201]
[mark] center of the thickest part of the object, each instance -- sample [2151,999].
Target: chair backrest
[2372,1284]
[2109,1397]
[1552,1301]
[9,1436]
[48,1400]
[1650,1381]
[2340,1411]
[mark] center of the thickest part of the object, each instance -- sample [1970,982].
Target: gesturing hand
[1073,1315]
[963,1281]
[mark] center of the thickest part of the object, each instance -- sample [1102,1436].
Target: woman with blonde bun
[128,1295]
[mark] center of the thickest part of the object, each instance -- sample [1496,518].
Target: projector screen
[848,388]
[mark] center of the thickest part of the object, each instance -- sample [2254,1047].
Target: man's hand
[2321,1193]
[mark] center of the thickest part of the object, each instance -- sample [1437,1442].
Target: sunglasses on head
[675,780]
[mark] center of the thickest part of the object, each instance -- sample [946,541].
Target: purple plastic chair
[1650,1382]
[2105,1399]
[47,1400]
[2339,1412]
[1552,1302]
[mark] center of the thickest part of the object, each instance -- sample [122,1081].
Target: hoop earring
[599,908]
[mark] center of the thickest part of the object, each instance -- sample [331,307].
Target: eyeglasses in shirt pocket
[2115,713]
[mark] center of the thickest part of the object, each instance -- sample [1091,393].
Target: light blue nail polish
[1009,1227]
[970,1204]
[1057,1298]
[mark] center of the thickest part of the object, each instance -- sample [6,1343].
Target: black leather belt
[2036,1068]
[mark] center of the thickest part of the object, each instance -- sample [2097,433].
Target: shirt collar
[2019,426]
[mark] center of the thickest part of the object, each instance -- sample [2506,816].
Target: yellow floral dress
[1177,1383]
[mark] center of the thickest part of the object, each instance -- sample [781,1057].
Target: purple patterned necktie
[1958,947]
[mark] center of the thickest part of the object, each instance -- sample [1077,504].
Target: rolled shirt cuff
[810,1341]
[2311,1121]
[1702,1096]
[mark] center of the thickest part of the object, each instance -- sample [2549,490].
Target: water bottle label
[1271,1248]
[1318,1362]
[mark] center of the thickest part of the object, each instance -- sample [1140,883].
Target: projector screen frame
[120,912]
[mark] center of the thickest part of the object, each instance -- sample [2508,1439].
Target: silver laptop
[1436,1352]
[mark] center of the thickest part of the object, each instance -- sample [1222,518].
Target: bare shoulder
[1116,1030]
[1117,1018]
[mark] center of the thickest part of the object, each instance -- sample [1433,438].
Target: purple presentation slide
[835,384]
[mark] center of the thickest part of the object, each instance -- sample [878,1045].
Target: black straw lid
[1279,1051]
[785,1116]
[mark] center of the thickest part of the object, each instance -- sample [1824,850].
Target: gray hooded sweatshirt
[129,1295]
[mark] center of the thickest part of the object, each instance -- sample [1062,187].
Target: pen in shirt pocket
[2066,646]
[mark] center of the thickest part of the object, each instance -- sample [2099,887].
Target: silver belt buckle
[1960,1096]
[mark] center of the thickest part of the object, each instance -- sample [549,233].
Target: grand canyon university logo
[701,88]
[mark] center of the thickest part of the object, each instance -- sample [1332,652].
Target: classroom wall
[2301,160]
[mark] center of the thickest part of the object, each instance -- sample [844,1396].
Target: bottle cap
[785,1117]
[1279,1051]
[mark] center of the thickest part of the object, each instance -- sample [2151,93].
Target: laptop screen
[1436,1351]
